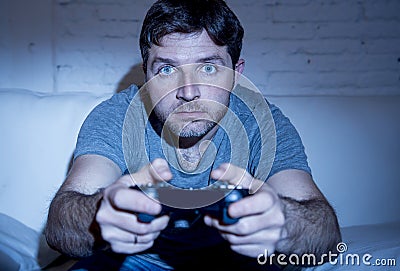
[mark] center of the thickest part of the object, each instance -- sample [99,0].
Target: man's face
[189,79]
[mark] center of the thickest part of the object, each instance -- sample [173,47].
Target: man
[177,129]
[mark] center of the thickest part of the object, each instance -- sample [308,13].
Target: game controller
[182,205]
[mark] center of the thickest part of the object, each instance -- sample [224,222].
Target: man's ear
[239,66]
[144,69]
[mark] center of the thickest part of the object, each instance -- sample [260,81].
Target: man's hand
[116,214]
[262,217]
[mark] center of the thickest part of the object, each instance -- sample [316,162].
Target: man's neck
[190,151]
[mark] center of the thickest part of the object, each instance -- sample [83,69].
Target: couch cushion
[366,247]
[20,246]
[38,135]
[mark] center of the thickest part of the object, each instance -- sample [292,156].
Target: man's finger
[156,171]
[230,173]
[235,175]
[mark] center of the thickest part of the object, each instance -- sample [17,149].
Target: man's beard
[197,128]
[193,127]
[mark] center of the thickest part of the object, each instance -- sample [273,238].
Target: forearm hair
[71,227]
[311,226]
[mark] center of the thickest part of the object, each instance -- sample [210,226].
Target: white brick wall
[291,47]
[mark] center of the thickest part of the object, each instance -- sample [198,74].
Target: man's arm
[311,225]
[81,217]
[71,227]
[288,214]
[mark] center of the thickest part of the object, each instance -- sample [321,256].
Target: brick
[279,31]
[358,30]
[352,62]
[382,10]
[121,12]
[379,79]
[307,47]
[257,12]
[383,46]
[318,11]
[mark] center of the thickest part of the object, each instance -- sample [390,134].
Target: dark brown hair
[192,16]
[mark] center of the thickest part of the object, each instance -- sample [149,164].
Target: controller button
[181,224]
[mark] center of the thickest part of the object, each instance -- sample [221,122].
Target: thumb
[156,171]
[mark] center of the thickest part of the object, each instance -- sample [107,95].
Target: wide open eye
[166,70]
[209,69]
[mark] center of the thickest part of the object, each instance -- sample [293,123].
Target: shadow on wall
[135,75]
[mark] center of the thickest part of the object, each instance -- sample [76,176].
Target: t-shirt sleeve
[290,152]
[101,132]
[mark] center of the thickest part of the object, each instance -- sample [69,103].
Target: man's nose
[189,90]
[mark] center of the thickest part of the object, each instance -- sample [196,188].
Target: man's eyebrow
[162,60]
[212,59]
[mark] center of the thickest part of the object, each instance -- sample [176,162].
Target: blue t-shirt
[104,132]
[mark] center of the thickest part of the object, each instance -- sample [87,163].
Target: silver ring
[135,241]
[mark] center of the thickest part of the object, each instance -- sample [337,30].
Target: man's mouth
[190,114]
[190,110]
